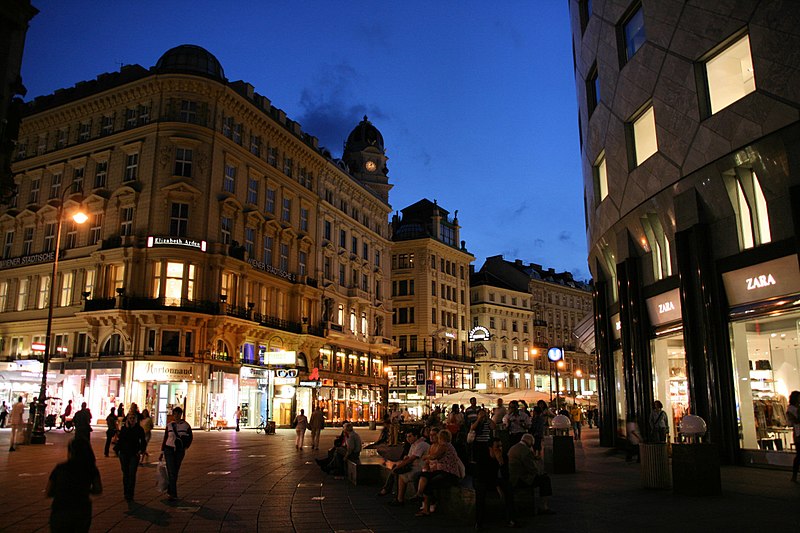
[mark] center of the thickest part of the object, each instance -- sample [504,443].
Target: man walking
[82,422]
[316,424]
[16,422]
[174,451]
[3,414]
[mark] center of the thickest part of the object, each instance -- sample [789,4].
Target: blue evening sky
[475,99]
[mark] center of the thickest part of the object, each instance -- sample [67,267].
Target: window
[22,149]
[433,287]
[107,125]
[85,131]
[659,246]
[77,178]
[600,178]
[72,234]
[8,246]
[96,229]
[144,114]
[3,296]
[342,280]
[183,162]
[178,282]
[100,174]
[365,251]
[288,165]
[284,259]
[267,252]
[55,185]
[644,136]
[49,237]
[229,181]
[130,117]
[377,258]
[354,245]
[188,111]
[63,138]
[44,292]
[303,219]
[448,235]
[225,229]
[132,167]
[286,213]
[252,191]
[33,197]
[592,90]
[27,241]
[237,133]
[42,147]
[327,230]
[255,145]
[750,206]
[179,219]
[126,221]
[67,282]
[249,240]
[326,268]
[342,239]
[269,204]
[302,259]
[272,156]
[730,75]
[633,32]
[88,285]
[22,294]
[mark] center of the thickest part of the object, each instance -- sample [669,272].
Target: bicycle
[267,427]
[208,425]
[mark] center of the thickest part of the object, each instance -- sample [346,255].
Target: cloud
[538,243]
[520,210]
[329,113]
[565,236]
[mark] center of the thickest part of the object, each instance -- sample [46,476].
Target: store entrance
[670,385]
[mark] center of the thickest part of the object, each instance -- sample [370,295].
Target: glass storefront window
[766,361]
[619,387]
[669,378]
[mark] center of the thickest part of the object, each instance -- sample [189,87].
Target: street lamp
[38,436]
[555,355]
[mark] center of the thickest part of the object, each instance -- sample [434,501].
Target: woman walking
[300,425]
[130,445]
[147,425]
[70,485]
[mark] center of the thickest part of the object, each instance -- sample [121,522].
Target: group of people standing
[301,424]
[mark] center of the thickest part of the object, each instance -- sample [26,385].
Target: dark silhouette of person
[70,485]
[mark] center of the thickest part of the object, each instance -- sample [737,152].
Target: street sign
[430,387]
[420,376]
[555,354]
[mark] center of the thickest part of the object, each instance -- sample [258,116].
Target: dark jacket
[131,440]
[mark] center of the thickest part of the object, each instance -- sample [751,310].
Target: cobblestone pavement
[246,482]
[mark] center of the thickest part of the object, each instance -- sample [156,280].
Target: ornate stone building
[689,122]
[227,260]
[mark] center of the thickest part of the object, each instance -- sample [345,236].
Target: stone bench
[367,471]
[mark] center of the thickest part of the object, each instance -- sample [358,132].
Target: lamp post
[38,434]
[555,355]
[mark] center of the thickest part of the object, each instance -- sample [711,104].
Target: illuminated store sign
[160,371]
[478,334]
[249,372]
[259,265]
[449,334]
[176,241]
[774,278]
[290,373]
[664,308]
[280,358]
[555,354]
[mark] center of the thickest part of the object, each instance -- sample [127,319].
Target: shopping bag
[162,478]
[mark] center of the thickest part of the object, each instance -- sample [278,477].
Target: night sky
[475,99]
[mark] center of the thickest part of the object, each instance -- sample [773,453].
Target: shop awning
[36,377]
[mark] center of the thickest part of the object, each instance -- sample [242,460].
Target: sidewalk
[246,482]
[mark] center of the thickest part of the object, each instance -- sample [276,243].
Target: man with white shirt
[409,468]
[16,422]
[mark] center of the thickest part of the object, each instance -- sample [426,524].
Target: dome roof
[191,59]
[363,136]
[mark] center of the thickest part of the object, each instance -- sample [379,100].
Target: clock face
[370,166]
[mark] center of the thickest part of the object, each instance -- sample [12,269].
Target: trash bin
[27,431]
[563,454]
[695,469]
[655,465]
[372,425]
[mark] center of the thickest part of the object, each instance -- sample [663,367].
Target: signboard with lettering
[249,372]
[430,388]
[280,358]
[555,354]
[286,373]
[264,267]
[778,277]
[420,375]
[164,371]
[479,334]
[180,242]
[25,260]
[664,308]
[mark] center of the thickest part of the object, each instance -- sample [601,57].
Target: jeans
[300,438]
[109,436]
[315,439]
[576,427]
[173,458]
[129,463]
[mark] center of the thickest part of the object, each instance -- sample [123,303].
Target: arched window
[302,362]
[113,346]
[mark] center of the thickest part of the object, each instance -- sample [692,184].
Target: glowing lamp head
[80,217]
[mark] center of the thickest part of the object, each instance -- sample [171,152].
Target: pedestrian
[238,416]
[82,422]
[444,469]
[590,417]
[67,414]
[316,424]
[300,425]
[538,428]
[499,412]
[112,423]
[793,414]
[130,445]
[471,412]
[576,415]
[133,409]
[526,469]
[173,452]
[493,475]
[147,425]
[3,414]
[121,412]
[634,438]
[70,485]
[516,421]
[16,423]
[659,427]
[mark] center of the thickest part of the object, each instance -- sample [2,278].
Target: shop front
[223,396]
[24,378]
[160,386]
[283,396]
[619,379]
[105,390]
[670,384]
[253,395]
[765,347]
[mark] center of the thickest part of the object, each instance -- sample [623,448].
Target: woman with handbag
[130,445]
[659,427]
[111,430]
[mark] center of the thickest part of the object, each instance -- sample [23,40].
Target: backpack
[184,441]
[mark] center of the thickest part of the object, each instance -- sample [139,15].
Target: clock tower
[366,158]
